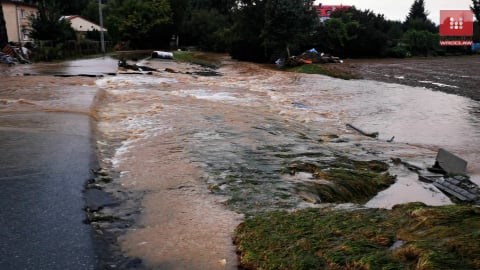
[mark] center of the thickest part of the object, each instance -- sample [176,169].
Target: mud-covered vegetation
[324,70]
[345,180]
[411,236]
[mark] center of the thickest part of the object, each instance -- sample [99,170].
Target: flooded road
[45,138]
[177,138]
[193,155]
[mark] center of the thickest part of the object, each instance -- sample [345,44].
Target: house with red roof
[81,26]
[324,11]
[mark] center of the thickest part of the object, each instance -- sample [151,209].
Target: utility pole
[102,38]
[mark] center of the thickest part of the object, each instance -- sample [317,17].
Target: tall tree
[417,11]
[47,25]
[288,23]
[475,7]
[244,39]
[144,23]
[417,18]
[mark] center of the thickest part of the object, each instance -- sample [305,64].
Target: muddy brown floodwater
[193,155]
[200,152]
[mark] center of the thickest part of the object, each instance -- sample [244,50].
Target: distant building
[324,11]
[81,26]
[17,22]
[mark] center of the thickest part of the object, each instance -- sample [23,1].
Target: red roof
[326,10]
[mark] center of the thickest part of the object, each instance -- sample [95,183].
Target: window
[23,14]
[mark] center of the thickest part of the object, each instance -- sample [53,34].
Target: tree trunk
[3,29]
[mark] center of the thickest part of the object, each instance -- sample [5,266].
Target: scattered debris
[142,69]
[14,54]
[7,59]
[311,56]
[371,135]
[447,162]
[460,187]
[409,166]
[162,55]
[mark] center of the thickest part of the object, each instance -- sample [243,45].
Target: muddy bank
[457,75]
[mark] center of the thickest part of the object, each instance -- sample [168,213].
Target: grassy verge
[322,69]
[198,58]
[411,236]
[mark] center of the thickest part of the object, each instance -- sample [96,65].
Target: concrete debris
[447,162]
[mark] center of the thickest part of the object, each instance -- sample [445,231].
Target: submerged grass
[196,58]
[318,69]
[443,237]
[345,180]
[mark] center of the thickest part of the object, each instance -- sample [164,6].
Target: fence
[47,50]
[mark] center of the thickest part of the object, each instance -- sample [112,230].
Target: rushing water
[179,137]
[176,137]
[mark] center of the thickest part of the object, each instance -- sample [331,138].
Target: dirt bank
[457,75]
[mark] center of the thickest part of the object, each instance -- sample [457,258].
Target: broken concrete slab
[450,163]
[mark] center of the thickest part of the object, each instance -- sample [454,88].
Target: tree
[288,24]
[418,18]
[417,11]
[143,23]
[205,28]
[332,36]
[475,7]
[47,24]
[366,32]
[244,37]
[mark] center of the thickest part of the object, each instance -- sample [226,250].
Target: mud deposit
[455,75]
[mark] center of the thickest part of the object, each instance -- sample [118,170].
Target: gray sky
[398,9]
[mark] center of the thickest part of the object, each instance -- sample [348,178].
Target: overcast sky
[398,9]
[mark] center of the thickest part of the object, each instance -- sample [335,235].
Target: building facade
[17,23]
[82,26]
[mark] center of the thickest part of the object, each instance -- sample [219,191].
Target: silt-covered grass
[411,236]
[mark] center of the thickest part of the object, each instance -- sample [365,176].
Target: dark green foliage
[475,7]
[244,39]
[288,25]
[144,23]
[366,33]
[206,29]
[421,42]
[417,18]
[48,25]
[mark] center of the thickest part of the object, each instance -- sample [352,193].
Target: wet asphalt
[46,158]
[42,173]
